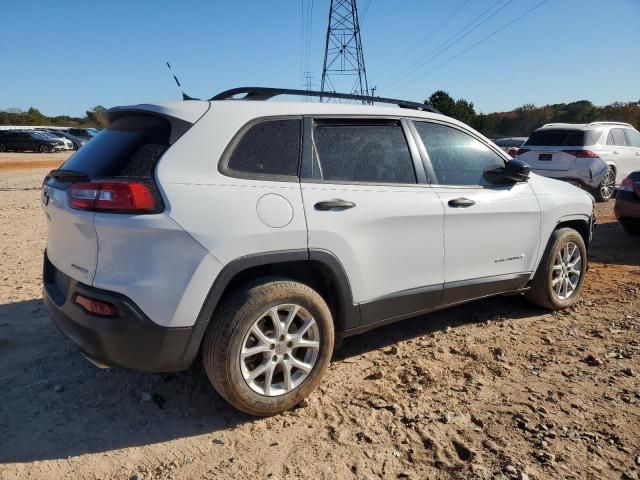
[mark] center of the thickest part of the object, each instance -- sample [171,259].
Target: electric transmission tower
[343,57]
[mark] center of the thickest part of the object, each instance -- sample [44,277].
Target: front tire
[2,147]
[269,346]
[45,149]
[558,281]
[606,188]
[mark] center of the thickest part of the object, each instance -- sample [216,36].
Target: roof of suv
[581,126]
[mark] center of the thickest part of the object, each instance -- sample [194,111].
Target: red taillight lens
[521,151]
[97,307]
[117,197]
[627,185]
[582,153]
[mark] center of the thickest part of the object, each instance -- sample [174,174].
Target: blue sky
[66,56]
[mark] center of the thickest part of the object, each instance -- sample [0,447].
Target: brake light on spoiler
[113,196]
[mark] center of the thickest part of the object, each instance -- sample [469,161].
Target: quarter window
[456,157]
[269,148]
[373,153]
[633,138]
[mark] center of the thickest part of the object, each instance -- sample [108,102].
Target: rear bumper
[627,205]
[588,183]
[130,339]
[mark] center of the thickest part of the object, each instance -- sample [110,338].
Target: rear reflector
[581,153]
[112,196]
[96,307]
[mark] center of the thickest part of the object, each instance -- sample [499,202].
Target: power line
[365,10]
[451,41]
[479,42]
[434,31]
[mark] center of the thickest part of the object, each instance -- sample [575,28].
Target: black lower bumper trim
[130,339]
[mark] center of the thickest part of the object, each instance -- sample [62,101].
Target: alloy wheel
[566,272]
[279,350]
[607,185]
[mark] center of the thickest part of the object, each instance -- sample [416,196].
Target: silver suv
[594,156]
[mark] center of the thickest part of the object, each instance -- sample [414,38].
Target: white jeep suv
[595,156]
[261,233]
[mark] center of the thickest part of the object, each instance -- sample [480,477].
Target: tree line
[523,120]
[519,122]
[33,116]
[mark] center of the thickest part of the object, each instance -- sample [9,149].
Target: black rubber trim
[401,304]
[348,314]
[456,292]
[129,339]
[420,301]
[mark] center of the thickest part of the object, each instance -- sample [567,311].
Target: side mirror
[517,170]
[514,171]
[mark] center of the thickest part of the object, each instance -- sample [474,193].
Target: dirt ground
[493,389]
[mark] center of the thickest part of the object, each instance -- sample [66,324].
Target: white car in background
[511,145]
[595,156]
[68,145]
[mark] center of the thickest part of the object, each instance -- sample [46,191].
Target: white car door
[620,154]
[633,142]
[491,232]
[364,205]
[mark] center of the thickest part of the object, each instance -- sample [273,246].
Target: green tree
[442,101]
[95,116]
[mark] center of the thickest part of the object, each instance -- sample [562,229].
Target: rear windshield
[563,138]
[130,146]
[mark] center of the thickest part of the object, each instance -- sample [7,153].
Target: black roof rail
[265,93]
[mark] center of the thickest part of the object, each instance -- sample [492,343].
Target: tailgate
[72,244]
[548,158]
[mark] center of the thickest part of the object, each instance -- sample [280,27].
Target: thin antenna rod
[184,95]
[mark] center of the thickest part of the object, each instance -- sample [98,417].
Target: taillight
[582,153]
[627,185]
[112,196]
[521,151]
[97,307]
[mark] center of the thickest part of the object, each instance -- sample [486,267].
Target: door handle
[615,152]
[335,204]
[637,154]
[461,202]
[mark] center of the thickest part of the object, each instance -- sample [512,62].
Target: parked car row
[45,140]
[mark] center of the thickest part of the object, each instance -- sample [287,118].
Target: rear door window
[457,158]
[618,136]
[363,152]
[129,146]
[268,149]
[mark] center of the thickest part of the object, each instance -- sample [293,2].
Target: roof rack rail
[265,93]
[609,123]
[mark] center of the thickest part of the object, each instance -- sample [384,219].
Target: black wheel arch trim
[348,313]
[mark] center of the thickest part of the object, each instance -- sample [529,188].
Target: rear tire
[605,190]
[558,281]
[246,322]
[632,227]
[2,147]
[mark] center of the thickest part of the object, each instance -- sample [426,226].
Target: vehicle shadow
[489,309]
[55,404]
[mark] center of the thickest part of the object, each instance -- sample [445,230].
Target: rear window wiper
[60,174]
